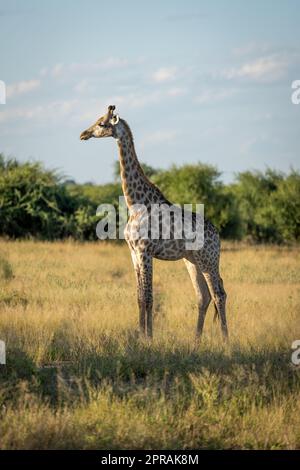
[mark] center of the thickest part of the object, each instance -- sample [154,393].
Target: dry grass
[79,376]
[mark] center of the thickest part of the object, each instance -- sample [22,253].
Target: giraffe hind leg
[202,293]
[217,291]
[216,314]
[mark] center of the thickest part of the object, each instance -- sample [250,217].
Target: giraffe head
[106,126]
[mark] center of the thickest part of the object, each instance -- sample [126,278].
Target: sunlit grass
[79,376]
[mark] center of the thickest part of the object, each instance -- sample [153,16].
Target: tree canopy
[258,206]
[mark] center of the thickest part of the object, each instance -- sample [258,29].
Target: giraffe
[202,264]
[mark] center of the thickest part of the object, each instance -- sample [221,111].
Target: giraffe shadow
[128,362]
[145,361]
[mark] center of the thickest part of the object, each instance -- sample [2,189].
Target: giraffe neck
[136,186]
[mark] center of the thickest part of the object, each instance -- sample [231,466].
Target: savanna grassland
[79,376]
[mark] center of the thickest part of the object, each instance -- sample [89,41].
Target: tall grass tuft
[6,271]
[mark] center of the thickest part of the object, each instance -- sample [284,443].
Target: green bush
[200,184]
[269,205]
[33,202]
[263,207]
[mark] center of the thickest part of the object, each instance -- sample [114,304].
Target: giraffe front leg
[145,295]
[143,270]
[142,310]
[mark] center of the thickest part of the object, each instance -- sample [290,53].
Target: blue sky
[202,81]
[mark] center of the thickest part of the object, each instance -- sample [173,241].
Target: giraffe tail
[216,315]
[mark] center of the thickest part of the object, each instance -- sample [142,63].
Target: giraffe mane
[125,123]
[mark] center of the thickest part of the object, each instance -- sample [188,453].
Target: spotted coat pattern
[202,264]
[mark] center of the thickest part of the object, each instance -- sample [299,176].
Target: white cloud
[82,86]
[78,110]
[248,145]
[139,99]
[57,70]
[114,62]
[213,96]
[22,87]
[135,100]
[52,110]
[268,68]
[177,91]
[162,136]
[252,48]
[44,71]
[164,74]
[108,63]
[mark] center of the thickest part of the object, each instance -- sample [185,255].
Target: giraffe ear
[115,119]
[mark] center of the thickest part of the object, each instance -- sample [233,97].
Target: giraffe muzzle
[85,135]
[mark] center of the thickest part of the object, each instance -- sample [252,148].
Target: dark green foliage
[33,202]
[269,205]
[199,184]
[91,196]
[286,204]
[97,194]
[261,207]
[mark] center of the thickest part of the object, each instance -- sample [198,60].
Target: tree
[33,202]
[200,183]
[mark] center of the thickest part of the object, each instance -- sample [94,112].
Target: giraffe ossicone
[202,263]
